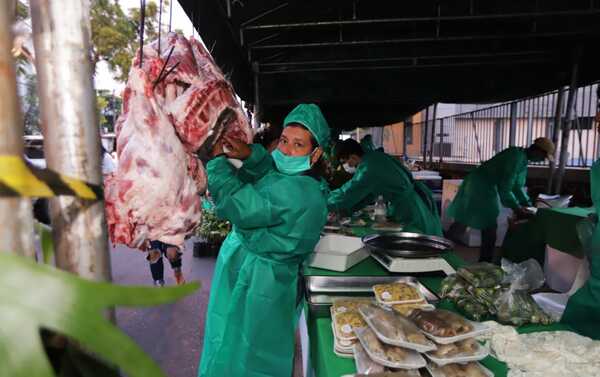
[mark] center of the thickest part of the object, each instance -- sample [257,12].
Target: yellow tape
[19,179]
[15,174]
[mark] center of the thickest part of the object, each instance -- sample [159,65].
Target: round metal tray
[407,245]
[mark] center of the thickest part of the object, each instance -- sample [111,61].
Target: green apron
[583,308]
[252,310]
[504,176]
[411,203]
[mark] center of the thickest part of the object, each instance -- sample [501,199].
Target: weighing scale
[405,252]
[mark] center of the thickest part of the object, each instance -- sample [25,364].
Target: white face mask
[349,169]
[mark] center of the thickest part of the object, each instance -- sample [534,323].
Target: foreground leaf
[34,296]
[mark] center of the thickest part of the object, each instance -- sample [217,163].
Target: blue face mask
[290,165]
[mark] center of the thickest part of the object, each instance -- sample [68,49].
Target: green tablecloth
[555,227]
[327,364]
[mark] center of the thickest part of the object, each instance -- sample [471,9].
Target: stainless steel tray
[322,290]
[407,245]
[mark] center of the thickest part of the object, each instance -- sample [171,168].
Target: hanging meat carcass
[175,106]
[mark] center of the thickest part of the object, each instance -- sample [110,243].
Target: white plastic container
[413,359]
[560,269]
[478,329]
[481,352]
[338,253]
[435,371]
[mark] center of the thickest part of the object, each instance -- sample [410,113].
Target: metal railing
[476,136]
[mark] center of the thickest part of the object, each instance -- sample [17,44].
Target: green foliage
[115,36]
[37,297]
[31,104]
[212,228]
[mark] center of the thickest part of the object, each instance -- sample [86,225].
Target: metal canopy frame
[308,51]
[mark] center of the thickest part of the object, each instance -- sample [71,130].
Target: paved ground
[171,334]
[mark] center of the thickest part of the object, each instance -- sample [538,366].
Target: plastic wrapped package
[406,309]
[398,373]
[341,305]
[453,286]
[483,274]
[345,323]
[518,308]
[441,322]
[397,293]
[394,329]
[472,369]
[390,356]
[472,308]
[459,352]
[364,364]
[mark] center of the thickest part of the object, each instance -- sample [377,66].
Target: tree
[30,105]
[115,34]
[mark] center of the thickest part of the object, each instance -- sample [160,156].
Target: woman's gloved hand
[238,149]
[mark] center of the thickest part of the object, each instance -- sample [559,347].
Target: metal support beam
[440,149]
[256,18]
[586,12]
[554,135]
[425,131]
[566,129]
[529,135]
[406,67]
[16,222]
[433,134]
[512,131]
[257,104]
[406,58]
[62,31]
[427,39]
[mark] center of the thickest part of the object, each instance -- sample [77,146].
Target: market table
[555,227]
[322,358]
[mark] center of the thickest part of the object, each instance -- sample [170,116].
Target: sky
[103,78]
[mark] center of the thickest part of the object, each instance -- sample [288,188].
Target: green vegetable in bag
[482,275]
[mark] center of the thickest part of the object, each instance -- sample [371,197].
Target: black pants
[488,240]
[158,268]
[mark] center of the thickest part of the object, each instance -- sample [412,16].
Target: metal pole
[142,24]
[425,131]
[554,135]
[441,152]
[513,124]
[170,14]
[257,104]
[433,134]
[16,222]
[160,5]
[566,129]
[61,31]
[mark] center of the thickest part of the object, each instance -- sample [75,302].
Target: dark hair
[344,149]
[319,168]
[268,135]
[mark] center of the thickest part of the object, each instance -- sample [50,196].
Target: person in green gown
[504,175]
[277,209]
[377,173]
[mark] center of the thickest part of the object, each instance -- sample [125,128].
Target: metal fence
[476,136]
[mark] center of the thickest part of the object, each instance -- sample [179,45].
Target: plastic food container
[478,352]
[459,370]
[443,319]
[338,253]
[341,305]
[364,363]
[345,324]
[390,356]
[406,309]
[395,330]
[397,293]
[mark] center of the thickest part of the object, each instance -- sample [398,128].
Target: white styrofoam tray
[478,329]
[436,372]
[338,253]
[481,353]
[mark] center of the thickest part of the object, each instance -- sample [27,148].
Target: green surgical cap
[311,117]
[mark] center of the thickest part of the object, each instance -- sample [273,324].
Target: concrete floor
[173,334]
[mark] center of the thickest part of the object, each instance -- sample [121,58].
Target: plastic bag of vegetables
[482,275]
[453,286]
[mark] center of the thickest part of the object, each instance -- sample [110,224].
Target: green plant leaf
[34,296]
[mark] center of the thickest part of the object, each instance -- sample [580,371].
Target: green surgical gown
[505,175]
[252,311]
[380,174]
